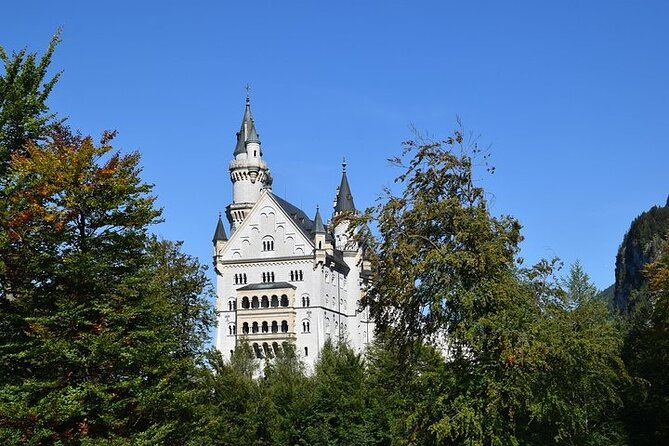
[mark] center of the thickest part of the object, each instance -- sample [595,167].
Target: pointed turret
[319,228]
[344,201]
[247,133]
[219,234]
[320,244]
[248,171]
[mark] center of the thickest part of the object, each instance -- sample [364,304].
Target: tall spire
[344,198]
[219,234]
[319,228]
[247,133]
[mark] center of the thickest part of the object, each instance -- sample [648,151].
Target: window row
[268,277]
[264,327]
[264,302]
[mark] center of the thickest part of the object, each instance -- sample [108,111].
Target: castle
[283,277]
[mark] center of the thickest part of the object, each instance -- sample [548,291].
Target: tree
[445,271]
[24,89]
[232,408]
[342,409]
[578,286]
[646,355]
[91,353]
[408,390]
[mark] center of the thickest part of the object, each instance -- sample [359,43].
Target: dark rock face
[640,246]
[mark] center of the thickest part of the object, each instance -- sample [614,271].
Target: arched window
[275,327]
[245,328]
[268,243]
[272,273]
[284,326]
[301,277]
[265,328]
[266,350]
[292,274]
[254,327]
[256,349]
[284,300]
[254,302]
[236,279]
[245,302]
[306,351]
[244,277]
[264,302]
[305,301]
[264,278]
[275,301]
[305,326]
[275,347]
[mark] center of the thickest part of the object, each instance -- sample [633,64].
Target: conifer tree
[106,322]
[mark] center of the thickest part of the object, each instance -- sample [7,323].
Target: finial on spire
[248,93]
[343,165]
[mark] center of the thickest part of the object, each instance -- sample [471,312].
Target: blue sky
[571,96]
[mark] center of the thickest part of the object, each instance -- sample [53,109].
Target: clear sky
[571,96]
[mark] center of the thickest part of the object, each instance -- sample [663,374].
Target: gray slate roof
[318,223]
[266,286]
[297,214]
[344,197]
[247,125]
[219,234]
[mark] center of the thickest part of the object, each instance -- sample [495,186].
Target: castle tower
[343,203]
[248,171]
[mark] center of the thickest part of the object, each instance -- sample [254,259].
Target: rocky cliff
[640,246]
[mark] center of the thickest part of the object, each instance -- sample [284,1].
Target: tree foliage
[523,366]
[646,355]
[24,89]
[102,323]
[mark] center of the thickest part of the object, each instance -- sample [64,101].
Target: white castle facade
[283,277]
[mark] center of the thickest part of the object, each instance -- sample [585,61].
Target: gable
[268,231]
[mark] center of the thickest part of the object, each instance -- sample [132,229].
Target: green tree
[288,396]
[647,356]
[409,390]
[444,270]
[578,286]
[98,349]
[232,408]
[24,89]
[343,410]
